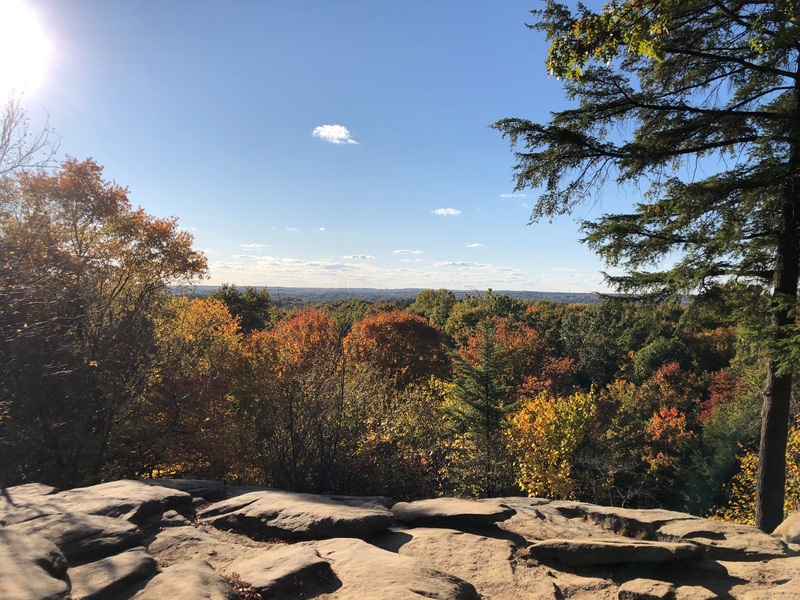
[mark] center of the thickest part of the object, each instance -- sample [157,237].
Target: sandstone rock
[694,592]
[23,502]
[198,488]
[172,518]
[490,565]
[82,537]
[180,544]
[636,523]
[787,591]
[192,580]
[367,572]
[590,551]
[789,530]
[724,541]
[292,516]
[282,569]
[131,500]
[450,512]
[646,589]
[31,567]
[111,577]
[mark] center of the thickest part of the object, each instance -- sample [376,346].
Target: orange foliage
[402,345]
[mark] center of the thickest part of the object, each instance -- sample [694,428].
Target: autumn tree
[696,103]
[402,346]
[184,422]
[82,273]
[305,402]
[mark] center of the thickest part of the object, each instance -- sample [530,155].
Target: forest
[106,373]
[680,392]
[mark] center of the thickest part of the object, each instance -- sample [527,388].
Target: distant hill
[307,295]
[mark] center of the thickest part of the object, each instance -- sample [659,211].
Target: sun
[24,49]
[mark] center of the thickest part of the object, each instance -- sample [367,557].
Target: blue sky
[208,111]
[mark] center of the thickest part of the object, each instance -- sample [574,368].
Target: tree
[402,346]
[20,146]
[697,103]
[82,275]
[480,404]
[434,305]
[251,307]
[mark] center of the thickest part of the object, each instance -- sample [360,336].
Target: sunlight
[24,48]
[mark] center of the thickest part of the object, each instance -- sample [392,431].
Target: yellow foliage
[546,432]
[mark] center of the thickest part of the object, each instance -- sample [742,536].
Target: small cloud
[335,134]
[291,229]
[358,257]
[406,251]
[513,195]
[475,245]
[254,245]
[246,256]
[322,229]
[446,212]
[522,204]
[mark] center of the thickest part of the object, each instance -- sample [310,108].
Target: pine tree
[695,102]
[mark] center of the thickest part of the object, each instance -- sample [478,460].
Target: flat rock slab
[283,570]
[489,564]
[646,589]
[191,580]
[367,572]
[31,567]
[787,591]
[111,577]
[629,522]
[591,551]
[82,537]
[789,530]
[291,516]
[131,500]
[198,488]
[724,541]
[451,513]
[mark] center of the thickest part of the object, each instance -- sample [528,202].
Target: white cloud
[291,229]
[406,251]
[322,229]
[513,195]
[475,245]
[246,256]
[358,257]
[446,212]
[254,245]
[335,134]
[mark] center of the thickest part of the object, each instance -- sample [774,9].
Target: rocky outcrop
[200,539]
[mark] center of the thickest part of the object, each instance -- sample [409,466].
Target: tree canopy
[693,103]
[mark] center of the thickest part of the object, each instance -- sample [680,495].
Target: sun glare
[24,48]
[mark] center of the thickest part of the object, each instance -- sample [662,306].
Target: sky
[312,143]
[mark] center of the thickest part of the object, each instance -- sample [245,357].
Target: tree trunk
[771,483]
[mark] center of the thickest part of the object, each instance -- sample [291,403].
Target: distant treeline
[299,296]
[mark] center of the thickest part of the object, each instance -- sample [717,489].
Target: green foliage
[658,353]
[478,413]
[434,305]
[694,102]
[251,307]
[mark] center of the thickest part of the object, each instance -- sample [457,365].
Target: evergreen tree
[252,307]
[695,102]
[483,400]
